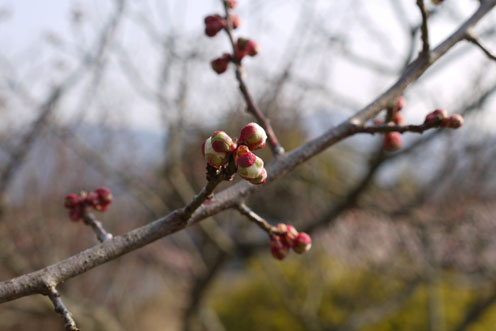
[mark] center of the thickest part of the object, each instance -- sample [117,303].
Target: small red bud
[72,200]
[455,121]
[220,64]
[254,136]
[392,141]
[213,24]
[277,248]
[436,116]
[302,243]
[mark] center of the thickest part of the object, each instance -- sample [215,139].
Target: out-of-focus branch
[252,108]
[474,39]
[424,29]
[61,309]
[101,234]
[396,128]
[480,306]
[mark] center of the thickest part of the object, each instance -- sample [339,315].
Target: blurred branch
[61,309]
[424,29]
[101,234]
[396,128]
[480,306]
[39,281]
[474,39]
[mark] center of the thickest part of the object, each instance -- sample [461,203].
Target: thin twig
[61,309]
[101,234]
[252,108]
[396,128]
[257,219]
[479,43]
[424,29]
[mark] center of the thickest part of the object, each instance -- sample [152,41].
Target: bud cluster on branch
[79,205]
[219,149]
[242,47]
[288,238]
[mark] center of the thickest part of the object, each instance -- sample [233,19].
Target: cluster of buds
[242,47]
[289,238]
[220,148]
[393,140]
[78,205]
[440,116]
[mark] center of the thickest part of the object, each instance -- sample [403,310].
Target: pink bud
[400,103]
[253,136]
[455,121]
[76,213]
[398,119]
[221,142]
[213,24]
[247,46]
[214,159]
[220,64]
[302,243]
[436,116]
[289,234]
[392,141]
[277,248]
[261,179]
[72,200]
[236,21]
[231,4]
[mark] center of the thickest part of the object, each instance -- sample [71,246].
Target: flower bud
[400,103]
[220,64]
[392,141]
[289,233]
[247,46]
[76,213]
[213,24]
[253,136]
[72,200]
[215,159]
[104,198]
[436,116]
[398,119]
[231,4]
[250,166]
[277,248]
[221,142]
[455,121]
[302,243]
[236,21]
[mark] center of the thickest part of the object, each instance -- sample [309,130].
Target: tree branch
[60,308]
[474,39]
[424,29]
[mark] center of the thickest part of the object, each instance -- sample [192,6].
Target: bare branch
[396,128]
[474,39]
[61,309]
[257,219]
[424,29]
[101,234]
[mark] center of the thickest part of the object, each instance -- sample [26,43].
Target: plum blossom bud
[392,141]
[398,119]
[247,46]
[214,159]
[231,4]
[289,233]
[76,213]
[253,136]
[436,116]
[221,142]
[455,121]
[104,198]
[302,243]
[400,103]
[236,21]
[220,64]
[250,166]
[213,24]
[277,248]
[72,200]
